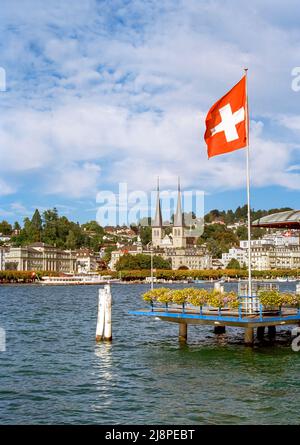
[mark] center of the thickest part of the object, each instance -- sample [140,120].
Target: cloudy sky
[102,92]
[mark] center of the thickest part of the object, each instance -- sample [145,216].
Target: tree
[71,240]
[141,261]
[93,226]
[5,228]
[146,235]
[233,264]
[16,226]
[36,221]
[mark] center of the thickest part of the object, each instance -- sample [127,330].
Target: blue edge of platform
[216,317]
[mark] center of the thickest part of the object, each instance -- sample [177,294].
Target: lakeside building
[86,261]
[272,251]
[234,253]
[40,256]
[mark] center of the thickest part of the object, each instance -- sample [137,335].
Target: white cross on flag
[227,122]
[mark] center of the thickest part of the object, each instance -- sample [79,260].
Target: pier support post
[219,330]
[260,332]
[183,332]
[272,331]
[249,336]
[104,328]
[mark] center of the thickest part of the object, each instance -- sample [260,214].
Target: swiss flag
[227,122]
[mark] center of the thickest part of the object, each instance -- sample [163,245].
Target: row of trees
[240,214]
[133,275]
[140,262]
[56,230]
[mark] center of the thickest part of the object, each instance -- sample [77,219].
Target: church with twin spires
[159,238]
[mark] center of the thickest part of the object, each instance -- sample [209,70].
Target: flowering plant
[179,296]
[291,300]
[197,297]
[157,295]
[271,298]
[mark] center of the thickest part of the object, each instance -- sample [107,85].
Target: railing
[248,307]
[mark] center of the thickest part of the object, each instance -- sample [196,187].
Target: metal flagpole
[248,194]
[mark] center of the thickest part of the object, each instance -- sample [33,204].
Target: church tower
[179,240]
[157,227]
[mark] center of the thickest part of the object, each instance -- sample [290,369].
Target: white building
[273,239]
[86,261]
[274,251]
[40,256]
[235,254]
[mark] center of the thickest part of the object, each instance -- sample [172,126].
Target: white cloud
[5,188]
[75,181]
[128,87]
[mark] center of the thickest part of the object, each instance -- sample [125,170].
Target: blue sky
[102,92]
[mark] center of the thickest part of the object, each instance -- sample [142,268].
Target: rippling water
[54,372]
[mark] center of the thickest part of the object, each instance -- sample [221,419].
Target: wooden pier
[224,317]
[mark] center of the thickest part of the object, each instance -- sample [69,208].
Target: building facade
[86,261]
[235,254]
[40,256]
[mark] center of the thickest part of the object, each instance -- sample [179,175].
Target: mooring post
[249,336]
[260,332]
[183,332]
[104,328]
[219,329]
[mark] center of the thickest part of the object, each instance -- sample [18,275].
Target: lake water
[54,372]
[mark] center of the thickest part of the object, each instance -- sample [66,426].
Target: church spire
[158,218]
[178,219]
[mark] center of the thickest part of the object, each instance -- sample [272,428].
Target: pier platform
[224,317]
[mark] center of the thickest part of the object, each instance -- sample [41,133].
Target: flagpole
[248,193]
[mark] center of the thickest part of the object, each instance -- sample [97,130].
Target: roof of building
[157,222]
[178,219]
[290,218]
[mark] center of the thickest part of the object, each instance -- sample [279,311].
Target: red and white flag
[227,122]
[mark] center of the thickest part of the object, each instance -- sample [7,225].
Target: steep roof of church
[157,222]
[178,219]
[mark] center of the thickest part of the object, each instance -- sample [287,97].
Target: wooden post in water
[260,332]
[219,329]
[272,332]
[183,332]
[249,336]
[104,328]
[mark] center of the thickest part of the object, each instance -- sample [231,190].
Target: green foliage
[141,261]
[218,239]
[146,235]
[194,296]
[59,231]
[271,298]
[5,228]
[161,294]
[197,297]
[233,264]
[291,300]
[239,215]
[179,296]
